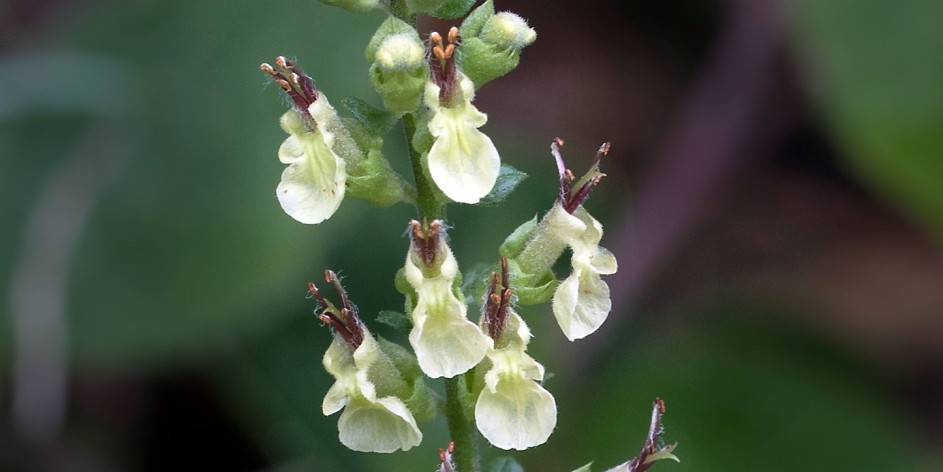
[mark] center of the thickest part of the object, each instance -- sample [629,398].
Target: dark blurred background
[774,198]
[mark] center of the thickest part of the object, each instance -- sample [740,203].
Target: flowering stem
[458,410]
[461,426]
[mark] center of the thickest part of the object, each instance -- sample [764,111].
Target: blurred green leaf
[508,180]
[743,393]
[876,69]
[188,253]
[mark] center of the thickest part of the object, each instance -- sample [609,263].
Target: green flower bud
[508,30]
[375,181]
[492,43]
[400,53]
[399,69]
[353,5]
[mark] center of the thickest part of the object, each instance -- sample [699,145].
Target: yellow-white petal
[513,410]
[445,342]
[313,184]
[382,426]
[463,162]
[581,304]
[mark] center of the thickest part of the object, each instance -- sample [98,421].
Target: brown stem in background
[698,159]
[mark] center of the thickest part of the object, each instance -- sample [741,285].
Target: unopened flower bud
[508,30]
[400,53]
[492,43]
[399,70]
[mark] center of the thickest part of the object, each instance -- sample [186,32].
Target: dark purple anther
[573,195]
[345,320]
[497,301]
[426,242]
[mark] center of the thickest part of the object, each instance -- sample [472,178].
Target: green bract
[424,6]
[370,177]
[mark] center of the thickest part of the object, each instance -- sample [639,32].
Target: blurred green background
[774,198]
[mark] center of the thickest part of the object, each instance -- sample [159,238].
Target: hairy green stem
[429,208]
[462,427]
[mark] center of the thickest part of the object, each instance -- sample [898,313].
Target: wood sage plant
[493,387]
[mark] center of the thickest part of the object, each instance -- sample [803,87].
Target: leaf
[876,73]
[376,120]
[508,180]
[585,468]
[504,464]
[395,320]
[453,9]
[475,22]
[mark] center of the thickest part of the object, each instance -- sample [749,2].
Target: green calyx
[371,178]
[409,385]
[531,249]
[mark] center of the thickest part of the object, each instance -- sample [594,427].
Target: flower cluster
[491,381]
